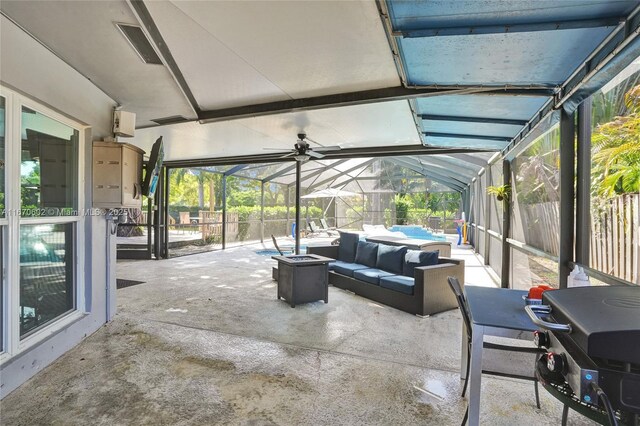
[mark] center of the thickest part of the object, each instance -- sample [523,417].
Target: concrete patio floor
[205,341]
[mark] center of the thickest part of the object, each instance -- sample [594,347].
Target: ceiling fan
[302,151]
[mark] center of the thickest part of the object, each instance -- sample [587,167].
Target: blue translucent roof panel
[481,106]
[418,14]
[463,143]
[470,128]
[500,42]
[540,57]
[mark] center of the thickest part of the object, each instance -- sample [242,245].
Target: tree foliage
[616,150]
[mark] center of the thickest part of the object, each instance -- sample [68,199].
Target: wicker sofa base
[431,292]
[395,299]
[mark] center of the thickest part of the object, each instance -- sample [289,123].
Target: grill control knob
[555,362]
[541,339]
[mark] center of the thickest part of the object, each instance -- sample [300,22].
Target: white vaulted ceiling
[380,124]
[239,53]
[358,74]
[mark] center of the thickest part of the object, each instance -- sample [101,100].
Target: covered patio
[204,340]
[512,122]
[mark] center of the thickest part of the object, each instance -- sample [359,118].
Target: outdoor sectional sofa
[392,275]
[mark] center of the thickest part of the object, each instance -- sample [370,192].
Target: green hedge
[252,213]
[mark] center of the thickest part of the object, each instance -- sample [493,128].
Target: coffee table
[303,278]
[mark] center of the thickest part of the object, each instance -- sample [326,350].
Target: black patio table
[494,312]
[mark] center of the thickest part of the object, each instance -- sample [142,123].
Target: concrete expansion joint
[308,348]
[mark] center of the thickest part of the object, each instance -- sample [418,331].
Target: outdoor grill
[592,338]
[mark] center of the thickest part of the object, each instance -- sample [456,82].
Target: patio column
[487,213]
[224,211]
[286,201]
[583,183]
[567,163]
[165,220]
[506,225]
[262,212]
[298,167]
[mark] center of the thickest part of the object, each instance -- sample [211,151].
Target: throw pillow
[391,258]
[367,254]
[348,246]
[415,258]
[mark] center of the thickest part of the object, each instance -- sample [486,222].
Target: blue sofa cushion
[391,258]
[415,258]
[370,275]
[367,254]
[398,283]
[348,246]
[345,268]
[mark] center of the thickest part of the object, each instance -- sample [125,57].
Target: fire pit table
[303,278]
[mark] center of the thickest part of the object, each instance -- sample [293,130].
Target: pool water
[417,232]
[274,252]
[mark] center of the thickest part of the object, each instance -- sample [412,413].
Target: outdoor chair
[466,319]
[314,231]
[325,227]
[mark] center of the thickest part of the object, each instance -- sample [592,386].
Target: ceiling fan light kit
[302,152]
[301,157]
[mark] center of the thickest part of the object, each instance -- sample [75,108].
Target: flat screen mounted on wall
[152,170]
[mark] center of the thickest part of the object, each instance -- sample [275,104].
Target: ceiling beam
[366,97]
[526,27]
[144,17]
[381,151]
[460,136]
[432,117]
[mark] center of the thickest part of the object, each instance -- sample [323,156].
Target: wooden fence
[211,224]
[542,225]
[615,234]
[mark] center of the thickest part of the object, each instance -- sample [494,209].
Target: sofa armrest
[432,286]
[442,246]
[445,259]
[330,251]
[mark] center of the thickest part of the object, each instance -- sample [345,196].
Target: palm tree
[616,150]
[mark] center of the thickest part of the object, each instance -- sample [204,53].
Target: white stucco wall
[31,69]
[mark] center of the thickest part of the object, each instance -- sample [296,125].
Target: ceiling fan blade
[291,154]
[277,149]
[327,148]
[314,154]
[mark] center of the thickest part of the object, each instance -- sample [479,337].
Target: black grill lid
[605,319]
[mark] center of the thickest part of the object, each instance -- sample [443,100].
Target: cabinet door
[131,177]
[107,176]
